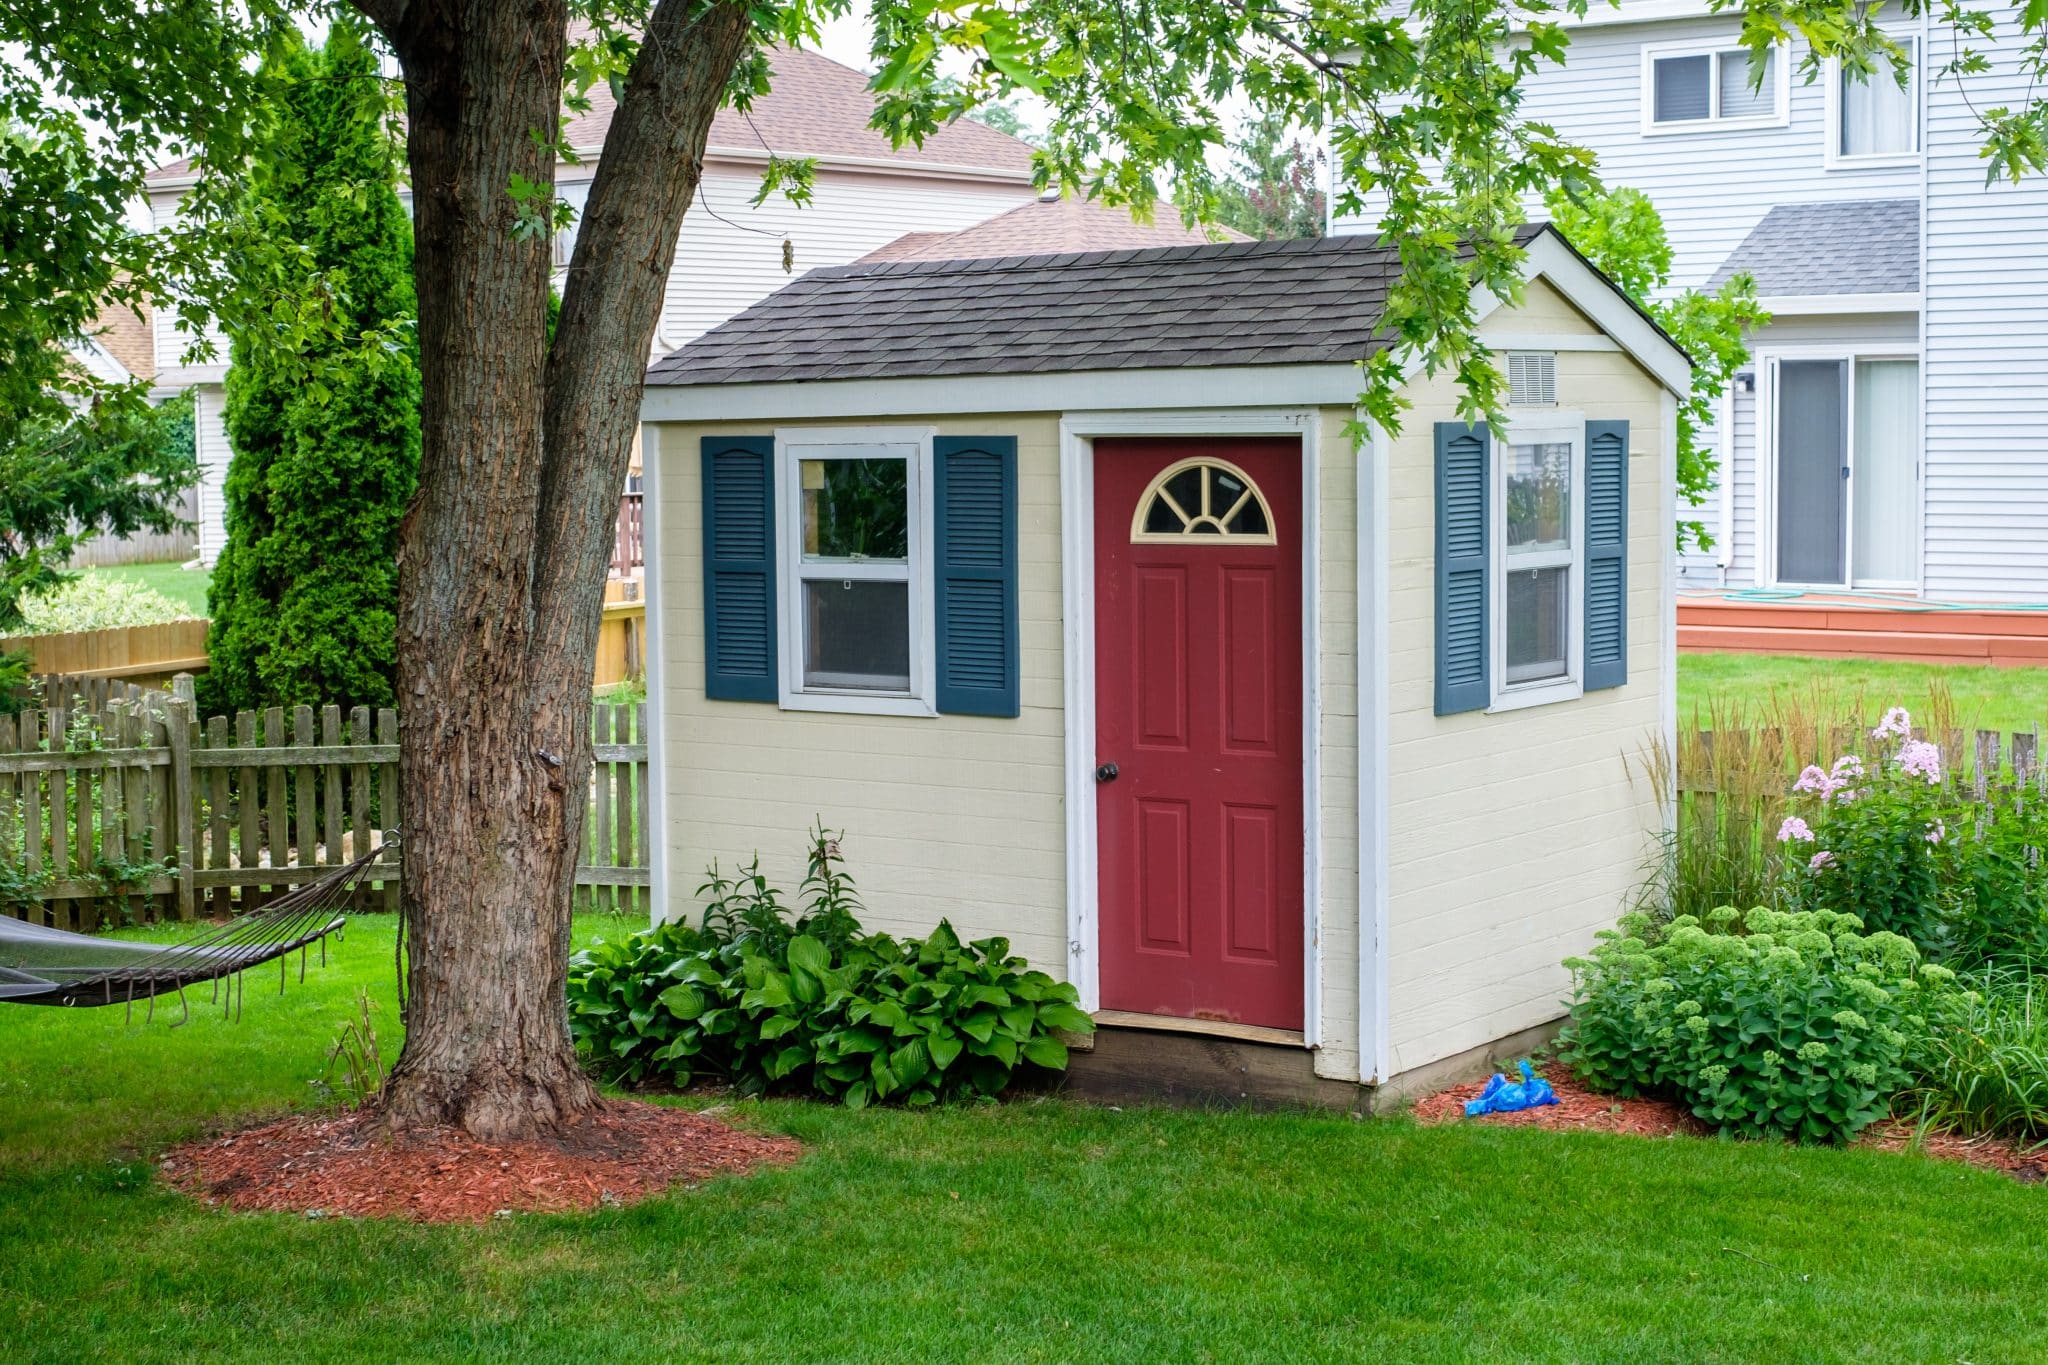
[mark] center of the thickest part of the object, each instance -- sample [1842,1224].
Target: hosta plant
[767,998]
[1785,1024]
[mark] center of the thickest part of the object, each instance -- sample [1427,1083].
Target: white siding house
[731,252]
[1892,434]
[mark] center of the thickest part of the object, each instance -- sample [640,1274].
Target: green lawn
[187,586]
[1035,1230]
[2004,699]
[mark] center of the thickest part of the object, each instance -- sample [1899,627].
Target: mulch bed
[1581,1109]
[347,1166]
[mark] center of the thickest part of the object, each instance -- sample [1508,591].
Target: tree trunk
[503,552]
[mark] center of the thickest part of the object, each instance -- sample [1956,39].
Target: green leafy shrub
[96,601]
[769,998]
[1788,1024]
[1984,1067]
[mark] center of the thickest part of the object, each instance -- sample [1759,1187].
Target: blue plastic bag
[1504,1097]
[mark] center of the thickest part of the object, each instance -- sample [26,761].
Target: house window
[1692,89]
[1539,469]
[1875,118]
[856,570]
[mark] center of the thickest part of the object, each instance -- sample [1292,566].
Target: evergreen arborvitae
[305,594]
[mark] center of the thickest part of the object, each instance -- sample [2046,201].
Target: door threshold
[1211,1028]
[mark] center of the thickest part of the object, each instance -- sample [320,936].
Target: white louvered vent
[1532,379]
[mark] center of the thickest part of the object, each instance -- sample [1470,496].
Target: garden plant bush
[768,997]
[1770,1023]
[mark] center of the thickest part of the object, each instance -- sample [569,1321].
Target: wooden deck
[1822,626]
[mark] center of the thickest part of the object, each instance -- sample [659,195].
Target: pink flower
[1814,779]
[1936,832]
[1847,766]
[1794,830]
[1896,723]
[1920,759]
[1820,860]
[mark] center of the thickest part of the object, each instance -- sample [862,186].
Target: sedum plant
[767,998]
[1770,1023]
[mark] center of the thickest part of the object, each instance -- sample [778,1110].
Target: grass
[1037,1230]
[2004,699]
[184,586]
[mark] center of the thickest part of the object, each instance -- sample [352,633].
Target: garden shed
[1065,586]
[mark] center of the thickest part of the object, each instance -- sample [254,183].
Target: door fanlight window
[1203,499]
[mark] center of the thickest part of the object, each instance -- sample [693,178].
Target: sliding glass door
[1847,494]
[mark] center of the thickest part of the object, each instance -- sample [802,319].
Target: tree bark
[503,551]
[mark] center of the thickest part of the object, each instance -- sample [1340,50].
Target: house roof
[1049,224]
[1855,246]
[124,331]
[1233,303]
[814,107]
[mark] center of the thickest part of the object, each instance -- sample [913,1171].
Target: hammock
[41,966]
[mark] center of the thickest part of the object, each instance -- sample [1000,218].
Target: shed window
[856,564]
[1539,469]
[1687,88]
[1203,499]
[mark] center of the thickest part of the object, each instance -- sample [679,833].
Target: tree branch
[646,178]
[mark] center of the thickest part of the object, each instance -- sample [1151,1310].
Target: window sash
[1726,81]
[1876,110]
[1509,691]
[802,688]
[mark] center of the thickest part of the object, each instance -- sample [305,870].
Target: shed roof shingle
[1856,246]
[1233,303]
[1050,224]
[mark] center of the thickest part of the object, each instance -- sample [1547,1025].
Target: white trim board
[1078,432]
[651,448]
[1375,901]
[1839,305]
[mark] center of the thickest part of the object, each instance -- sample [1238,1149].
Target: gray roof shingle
[1857,246]
[1232,303]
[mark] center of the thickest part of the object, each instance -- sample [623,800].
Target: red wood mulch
[1580,1108]
[343,1165]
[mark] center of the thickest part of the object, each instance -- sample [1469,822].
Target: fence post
[185,819]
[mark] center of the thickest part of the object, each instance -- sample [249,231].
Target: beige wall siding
[956,817]
[1512,838]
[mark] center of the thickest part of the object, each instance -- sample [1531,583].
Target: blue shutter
[739,568]
[1463,581]
[975,525]
[1606,554]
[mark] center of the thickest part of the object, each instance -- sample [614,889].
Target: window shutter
[975,525]
[739,568]
[1606,554]
[1463,582]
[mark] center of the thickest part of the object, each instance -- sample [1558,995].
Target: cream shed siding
[947,817]
[1513,837]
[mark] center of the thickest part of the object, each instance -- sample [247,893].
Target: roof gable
[1856,246]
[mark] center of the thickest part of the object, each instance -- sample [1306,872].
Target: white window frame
[1538,428]
[1833,158]
[1781,90]
[793,445]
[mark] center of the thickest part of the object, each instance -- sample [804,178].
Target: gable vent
[1532,379]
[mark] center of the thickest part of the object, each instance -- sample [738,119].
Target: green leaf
[683,1001]
[808,953]
[1047,1052]
[942,1045]
[1059,1015]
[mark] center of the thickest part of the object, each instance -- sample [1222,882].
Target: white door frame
[1078,433]
[1766,359]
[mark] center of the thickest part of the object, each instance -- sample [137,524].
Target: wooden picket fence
[119,805]
[1979,760]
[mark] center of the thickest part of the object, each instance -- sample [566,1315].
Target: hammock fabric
[41,966]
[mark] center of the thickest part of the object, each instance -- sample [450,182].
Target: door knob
[1106,773]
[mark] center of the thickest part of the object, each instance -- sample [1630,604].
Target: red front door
[1198,709]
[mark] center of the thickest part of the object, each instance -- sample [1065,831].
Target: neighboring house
[1051,223]
[1060,583]
[1893,431]
[731,252]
